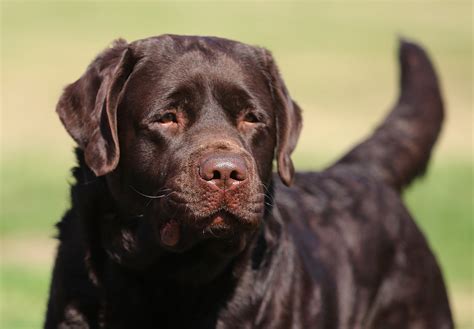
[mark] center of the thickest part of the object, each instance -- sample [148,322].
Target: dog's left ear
[288,120]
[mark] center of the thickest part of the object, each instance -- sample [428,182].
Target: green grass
[338,61]
[24,295]
[34,193]
[442,206]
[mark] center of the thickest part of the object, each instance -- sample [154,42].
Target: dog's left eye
[251,117]
[168,118]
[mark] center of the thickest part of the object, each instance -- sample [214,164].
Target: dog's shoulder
[340,216]
[337,192]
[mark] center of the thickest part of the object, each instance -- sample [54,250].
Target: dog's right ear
[88,107]
[288,119]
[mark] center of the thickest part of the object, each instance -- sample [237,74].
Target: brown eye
[251,117]
[167,118]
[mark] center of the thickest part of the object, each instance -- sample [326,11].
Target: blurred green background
[338,60]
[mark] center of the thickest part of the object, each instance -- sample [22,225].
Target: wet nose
[224,171]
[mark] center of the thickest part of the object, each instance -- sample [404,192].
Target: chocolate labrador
[178,222]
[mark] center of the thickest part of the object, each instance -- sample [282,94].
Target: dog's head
[185,130]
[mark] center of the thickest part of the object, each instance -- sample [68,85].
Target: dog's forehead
[169,63]
[180,58]
[195,64]
[172,45]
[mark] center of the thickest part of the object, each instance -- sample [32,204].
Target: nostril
[236,175]
[216,175]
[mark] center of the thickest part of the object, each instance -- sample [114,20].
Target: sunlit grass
[24,293]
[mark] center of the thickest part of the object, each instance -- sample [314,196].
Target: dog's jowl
[177,220]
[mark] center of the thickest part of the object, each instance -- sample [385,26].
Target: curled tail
[400,148]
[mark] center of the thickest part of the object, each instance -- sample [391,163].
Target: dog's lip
[217,220]
[176,234]
[221,221]
[218,217]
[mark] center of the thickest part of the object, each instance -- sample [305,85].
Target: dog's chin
[225,231]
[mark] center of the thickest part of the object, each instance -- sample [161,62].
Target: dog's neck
[116,239]
[167,282]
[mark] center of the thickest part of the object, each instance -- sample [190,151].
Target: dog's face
[185,130]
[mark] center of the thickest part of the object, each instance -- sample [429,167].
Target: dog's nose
[223,170]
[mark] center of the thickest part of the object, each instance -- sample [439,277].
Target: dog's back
[368,262]
[368,252]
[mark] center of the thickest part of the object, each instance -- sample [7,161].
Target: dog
[177,220]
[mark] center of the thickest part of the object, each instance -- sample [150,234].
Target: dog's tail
[400,148]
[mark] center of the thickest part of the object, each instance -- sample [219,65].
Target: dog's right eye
[169,121]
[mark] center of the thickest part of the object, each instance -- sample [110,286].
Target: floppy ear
[288,120]
[88,107]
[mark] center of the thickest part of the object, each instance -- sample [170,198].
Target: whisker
[148,203]
[150,196]
[267,195]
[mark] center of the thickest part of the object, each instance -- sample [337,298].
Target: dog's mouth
[179,235]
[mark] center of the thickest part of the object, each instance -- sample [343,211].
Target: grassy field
[338,60]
